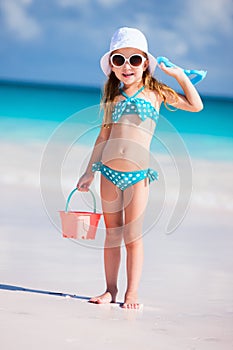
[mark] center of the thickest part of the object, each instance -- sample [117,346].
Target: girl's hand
[191,100]
[174,72]
[85,182]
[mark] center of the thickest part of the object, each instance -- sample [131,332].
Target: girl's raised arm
[191,100]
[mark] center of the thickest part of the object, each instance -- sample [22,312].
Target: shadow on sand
[46,292]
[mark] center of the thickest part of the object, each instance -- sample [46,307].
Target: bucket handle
[71,194]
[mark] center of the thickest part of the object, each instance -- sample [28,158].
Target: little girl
[131,101]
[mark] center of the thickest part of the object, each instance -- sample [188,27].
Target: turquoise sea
[31,112]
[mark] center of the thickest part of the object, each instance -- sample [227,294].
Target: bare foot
[105,298]
[131,302]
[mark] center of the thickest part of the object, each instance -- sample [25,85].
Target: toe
[102,299]
[93,300]
[132,306]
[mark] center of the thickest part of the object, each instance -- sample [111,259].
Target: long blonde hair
[112,87]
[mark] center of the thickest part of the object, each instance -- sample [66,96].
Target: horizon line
[73,86]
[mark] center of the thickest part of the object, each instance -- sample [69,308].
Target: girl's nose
[127,65]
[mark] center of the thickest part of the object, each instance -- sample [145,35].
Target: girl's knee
[133,244]
[114,237]
[133,235]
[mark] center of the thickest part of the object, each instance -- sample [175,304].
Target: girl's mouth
[127,75]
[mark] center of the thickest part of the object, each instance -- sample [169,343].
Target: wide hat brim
[106,68]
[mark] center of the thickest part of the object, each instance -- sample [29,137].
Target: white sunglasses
[135,60]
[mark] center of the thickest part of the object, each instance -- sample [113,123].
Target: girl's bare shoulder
[153,97]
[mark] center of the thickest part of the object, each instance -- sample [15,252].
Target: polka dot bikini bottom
[124,179]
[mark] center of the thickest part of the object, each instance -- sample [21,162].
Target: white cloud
[160,38]
[196,25]
[73,3]
[18,21]
[88,3]
[172,39]
[203,21]
[216,14]
[110,3]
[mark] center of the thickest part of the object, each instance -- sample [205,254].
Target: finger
[81,187]
[162,65]
[84,188]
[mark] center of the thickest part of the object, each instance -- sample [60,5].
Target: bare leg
[112,199]
[134,270]
[134,215]
[112,256]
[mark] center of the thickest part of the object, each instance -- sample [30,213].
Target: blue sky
[61,41]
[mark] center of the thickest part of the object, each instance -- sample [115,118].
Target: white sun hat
[127,37]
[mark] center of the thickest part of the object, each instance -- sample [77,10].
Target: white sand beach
[46,280]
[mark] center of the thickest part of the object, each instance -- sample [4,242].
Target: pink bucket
[78,224]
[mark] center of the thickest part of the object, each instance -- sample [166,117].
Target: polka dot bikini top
[133,105]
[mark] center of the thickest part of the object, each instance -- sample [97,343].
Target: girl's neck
[131,89]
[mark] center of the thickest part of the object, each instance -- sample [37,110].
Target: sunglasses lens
[118,60]
[135,60]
